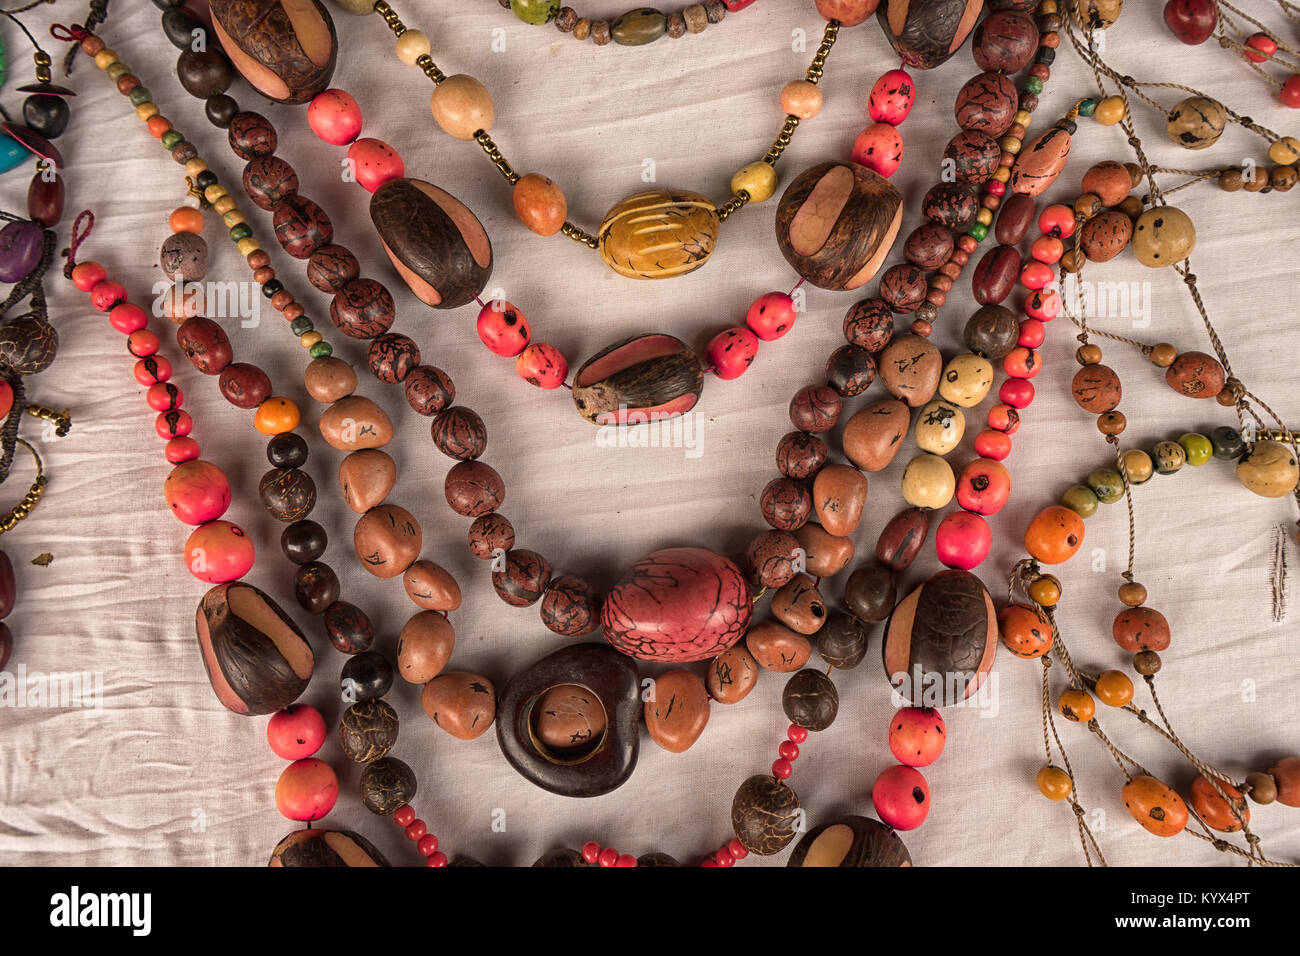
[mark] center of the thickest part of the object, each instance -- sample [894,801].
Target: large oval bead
[658,234]
[1040,162]
[286,49]
[435,242]
[924,33]
[644,378]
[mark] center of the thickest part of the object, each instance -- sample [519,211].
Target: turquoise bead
[1087,107]
[1081,500]
[1107,485]
[1197,447]
[321,350]
[12,153]
[535,11]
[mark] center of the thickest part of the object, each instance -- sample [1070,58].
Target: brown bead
[825,554]
[1283,178]
[424,646]
[1163,355]
[1105,236]
[777,648]
[1257,182]
[765,815]
[770,557]
[473,489]
[1088,354]
[569,719]
[1146,663]
[387,539]
[355,422]
[732,675]
[570,606]
[365,478]
[869,592]
[909,368]
[490,534]
[1231,179]
[874,434]
[524,578]
[1141,629]
[431,587]
[1073,260]
[1112,423]
[329,379]
[462,704]
[677,712]
[1132,594]
[1110,181]
[676,26]
[1088,205]
[1262,788]
[582,29]
[600,34]
[1096,388]
[799,605]
[839,495]
[1131,207]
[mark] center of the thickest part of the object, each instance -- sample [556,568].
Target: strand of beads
[634,28]
[1195,21]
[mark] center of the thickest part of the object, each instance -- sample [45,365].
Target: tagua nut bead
[758,180]
[1146,663]
[1269,469]
[1196,122]
[939,427]
[966,380]
[731,352]
[679,710]
[329,379]
[1054,535]
[732,675]
[1076,705]
[1110,111]
[412,45]
[464,705]
[765,815]
[891,97]
[839,495]
[1162,236]
[462,106]
[1114,688]
[1138,629]
[771,315]
[1155,806]
[1045,590]
[879,147]
[777,648]
[1054,783]
[387,539]
[1025,631]
[540,204]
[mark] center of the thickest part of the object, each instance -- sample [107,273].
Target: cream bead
[462,106]
[928,482]
[966,380]
[939,427]
[758,179]
[802,99]
[412,45]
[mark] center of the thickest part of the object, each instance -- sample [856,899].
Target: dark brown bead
[206,73]
[301,226]
[993,332]
[524,578]
[459,433]
[1146,663]
[368,730]
[903,287]
[348,628]
[386,784]
[570,606]
[392,357]
[287,493]
[800,455]
[815,408]
[316,587]
[850,370]
[331,267]
[928,246]
[220,110]
[429,390]
[244,385]
[869,592]
[252,135]
[786,504]
[870,322]
[810,700]
[269,179]
[1015,216]
[765,814]
[491,534]
[363,309]
[842,641]
[183,152]
[474,489]
[952,205]
[8,590]
[1004,40]
[303,541]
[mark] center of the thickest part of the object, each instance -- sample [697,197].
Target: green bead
[638,27]
[321,350]
[1080,500]
[117,70]
[1197,447]
[172,138]
[978,231]
[1168,457]
[1106,484]
[1087,107]
[241,231]
[1227,443]
[301,325]
[1033,85]
[140,96]
[535,11]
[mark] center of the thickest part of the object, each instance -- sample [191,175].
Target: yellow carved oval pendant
[659,234]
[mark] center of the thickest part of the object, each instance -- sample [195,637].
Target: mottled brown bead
[842,641]
[570,606]
[928,246]
[973,156]
[777,648]
[850,841]
[799,605]
[368,730]
[392,357]
[1040,162]
[387,784]
[316,587]
[331,267]
[903,287]
[387,539]
[850,370]
[251,135]
[1132,594]
[424,646]
[1105,236]
[992,331]
[825,554]
[489,534]
[869,592]
[765,815]
[810,700]
[288,494]
[473,489]
[429,390]
[301,226]
[869,324]
[569,719]
[464,705]
[524,578]
[874,434]
[732,674]
[677,713]
[815,408]
[431,587]
[348,628]
[770,557]
[909,368]
[1263,788]
[952,205]
[987,103]
[800,455]
[269,179]
[1146,663]
[1096,389]
[1195,375]
[286,51]
[785,503]
[901,539]
[1004,40]
[363,309]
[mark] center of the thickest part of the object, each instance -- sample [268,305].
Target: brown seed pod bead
[490,534]
[1088,355]
[1087,206]
[1163,355]
[1283,178]
[1073,260]
[1112,423]
[1262,788]
[1132,594]
[1146,663]
[1257,182]
[1231,180]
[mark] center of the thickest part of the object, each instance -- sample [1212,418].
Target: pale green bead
[535,11]
[1081,500]
[1197,447]
[1106,484]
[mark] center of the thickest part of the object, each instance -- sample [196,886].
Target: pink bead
[106,294]
[1017,392]
[335,117]
[404,815]
[627,859]
[87,275]
[1043,304]
[198,492]
[996,187]
[1032,333]
[219,552]
[296,732]
[962,540]
[174,424]
[1036,275]
[901,797]
[789,750]
[724,858]
[180,450]
[917,736]
[771,315]
[731,352]
[992,444]
[782,768]
[428,845]
[374,163]
[891,97]
[591,851]
[127,318]
[438,859]
[608,856]
[796,733]
[542,365]
[503,328]
[879,148]
[164,397]
[738,851]
[153,370]
[416,830]
[142,343]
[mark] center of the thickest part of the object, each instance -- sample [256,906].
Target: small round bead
[591,851]
[181,449]
[428,845]
[276,415]
[802,99]
[625,860]
[1054,783]
[722,856]
[1263,788]
[1109,111]
[796,733]
[789,750]
[412,45]
[1088,354]
[737,849]
[608,857]
[404,815]
[1163,355]
[438,859]
[416,830]
[757,179]
[782,768]
[1112,423]
[1114,688]
[1146,663]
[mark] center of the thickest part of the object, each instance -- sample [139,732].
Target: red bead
[627,859]
[1017,392]
[1036,275]
[724,858]
[879,148]
[428,845]
[307,789]
[992,444]
[608,856]
[180,450]
[710,861]
[917,736]
[127,318]
[591,851]
[416,830]
[142,343]
[296,732]
[1043,304]
[374,163]
[1004,418]
[164,397]
[438,859]
[335,117]
[1291,91]
[891,97]
[789,750]
[153,370]
[782,768]
[1047,249]
[771,315]
[198,492]
[404,815]
[1058,221]
[731,352]
[87,275]
[542,365]
[1262,47]
[173,424]
[996,187]
[503,328]
[901,797]
[962,540]
[1032,333]
[796,733]
[1021,362]
[106,294]
[738,851]
[967,243]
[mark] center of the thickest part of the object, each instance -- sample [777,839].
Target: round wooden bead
[1162,236]
[785,504]
[286,52]
[301,226]
[503,328]
[184,257]
[800,455]
[540,204]
[966,380]
[992,332]
[387,539]
[1269,469]
[363,309]
[570,606]
[983,487]
[251,135]
[366,676]
[244,385]
[764,814]
[757,180]
[568,719]
[810,700]
[386,785]
[316,587]
[836,223]
[1105,236]
[329,379]
[392,357]
[296,732]
[412,45]
[869,594]
[288,494]
[1196,122]
[197,492]
[972,156]
[928,246]
[770,557]
[269,179]
[473,489]
[524,578]
[802,99]
[1096,389]
[987,104]
[953,205]
[869,324]
[1141,629]
[462,106]
[850,370]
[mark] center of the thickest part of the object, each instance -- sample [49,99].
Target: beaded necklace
[1195,21]
[634,28]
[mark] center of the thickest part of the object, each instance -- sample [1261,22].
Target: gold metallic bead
[758,179]
[247,246]
[105,58]
[215,192]
[308,339]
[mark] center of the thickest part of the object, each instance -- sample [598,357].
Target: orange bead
[1155,806]
[1046,590]
[1218,813]
[1054,783]
[1141,629]
[157,125]
[1054,535]
[275,416]
[1114,688]
[1025,632]
[1076,705]
[186,219]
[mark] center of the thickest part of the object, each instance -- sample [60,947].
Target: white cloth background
[165,775]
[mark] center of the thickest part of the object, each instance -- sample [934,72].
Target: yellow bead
[412,45]
[1046,590]
[276,415]
[1010,145]
[223,205]
[984,217]
[105,58]
[758,179]
[233,218]
[1109,111]
[1047,6]
[215,192]
[1053,782]
[308,339]
[1022,117]
[1285,151]
[1114,688]
[1002,174]
[194,167]
[1076,705]
[247,246]
[146,111]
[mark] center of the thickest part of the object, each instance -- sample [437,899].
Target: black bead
[205,179]
[46,114]
[271,288]
[204,74]
[303,541]
[287,450]
[220,110]
[179,25]
[316,587]
[366,676]
[167,4]
[1046,55]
